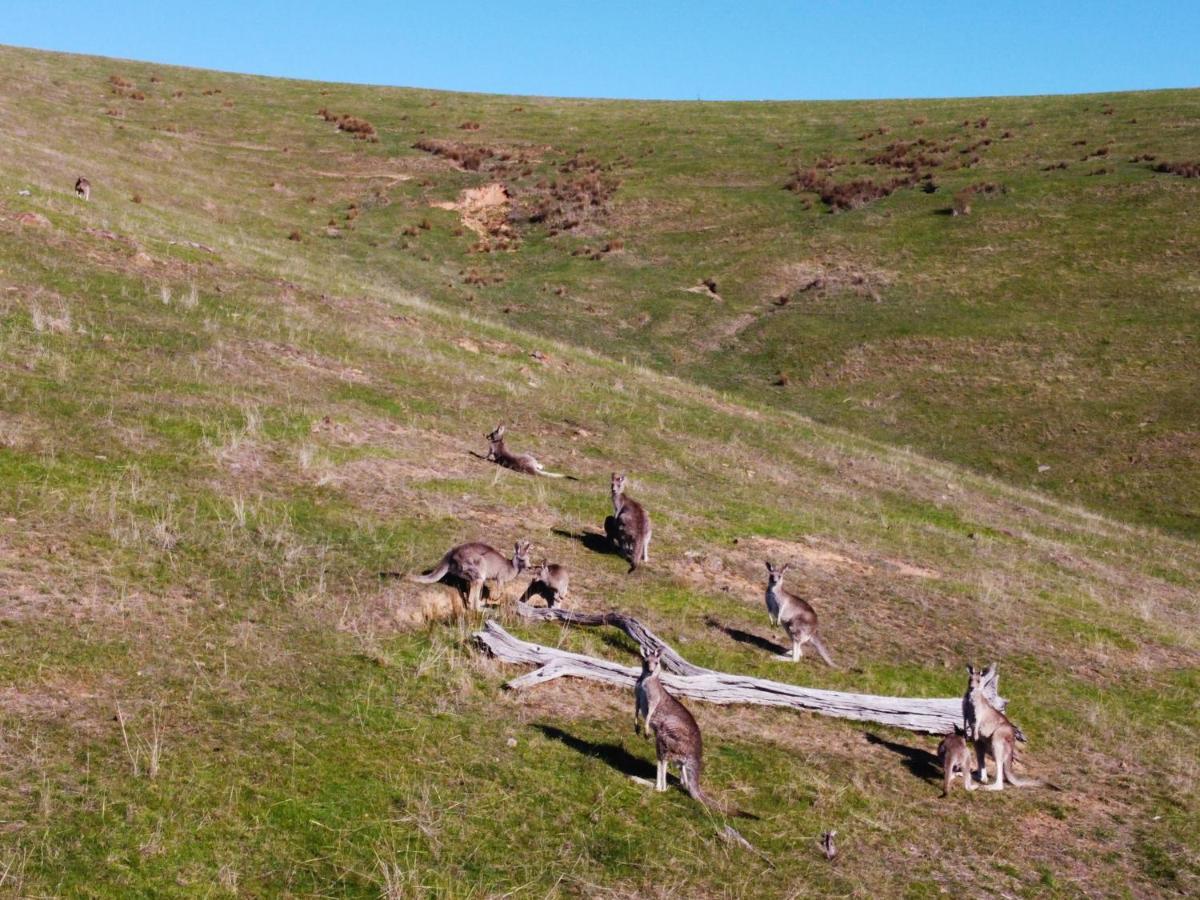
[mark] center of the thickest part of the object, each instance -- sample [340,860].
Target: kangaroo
[993,734]
[518,462]
[476,563]
[955,757]
[989,685]
[676,734]
[552,582]
[83,188]
[629,525]
[796,615]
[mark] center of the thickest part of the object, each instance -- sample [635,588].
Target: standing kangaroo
[676,734]
[518,462]
[955,757]
[992,733]
[552,582]
[629,525]
[83,188]
[796,615]
[476,563]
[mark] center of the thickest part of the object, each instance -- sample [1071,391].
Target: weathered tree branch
[933,715]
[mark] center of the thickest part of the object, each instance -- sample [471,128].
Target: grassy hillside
[213,438]
[1049,338]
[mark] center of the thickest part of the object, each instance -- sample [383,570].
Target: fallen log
[935,715]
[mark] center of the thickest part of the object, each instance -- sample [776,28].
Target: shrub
[1183,169]
[295,235]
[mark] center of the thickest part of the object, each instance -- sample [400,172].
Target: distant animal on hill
[795,614]
[629,526]
[83,188]
[676,734]
[955,756]
[993,735]
[477,563]
[551,581]
[518,462]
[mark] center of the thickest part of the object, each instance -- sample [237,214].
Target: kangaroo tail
[545,473]
[815,640]
[436,575]
[691,783]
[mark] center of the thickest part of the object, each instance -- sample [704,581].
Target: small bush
[469,126]
[136,198]
[118,81]
[295,235]
[1183,169]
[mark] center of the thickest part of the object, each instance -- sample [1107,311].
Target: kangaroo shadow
[538,589]
[746,637]
[613,754]
[921,763]
[592,540]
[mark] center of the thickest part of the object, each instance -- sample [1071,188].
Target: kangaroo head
[775,573]
[497,435]
[543,572]
[651,657]
[618,483]
[977,679]
[521,555]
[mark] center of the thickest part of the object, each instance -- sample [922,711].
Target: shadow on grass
[613,754]
[746,637]
[920,762]
[592,540]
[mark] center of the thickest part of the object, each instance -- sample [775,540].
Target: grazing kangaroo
[629,525]
[518,462]
[83,188]
[796,615]
[476,563]
[552,582]
[955,756]
[992,733]
[676,734]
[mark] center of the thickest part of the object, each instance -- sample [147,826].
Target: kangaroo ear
[970,669]
[785,567]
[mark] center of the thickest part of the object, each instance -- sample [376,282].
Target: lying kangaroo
[83,188]
[796,615]
[955,756]
[629,525]
[552,582]
[518,462]
[992,733]
[476,563]
[676,734]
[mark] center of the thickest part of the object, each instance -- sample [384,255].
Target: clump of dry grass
[1183,169]
[468,156]
[295,235]
[845,195]
[360,129]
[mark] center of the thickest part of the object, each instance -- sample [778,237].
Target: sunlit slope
[214,438]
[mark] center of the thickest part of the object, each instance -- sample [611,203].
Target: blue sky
[671,50]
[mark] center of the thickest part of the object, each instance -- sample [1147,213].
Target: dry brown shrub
[1183,169]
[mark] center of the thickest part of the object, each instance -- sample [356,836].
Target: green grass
[207,458]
